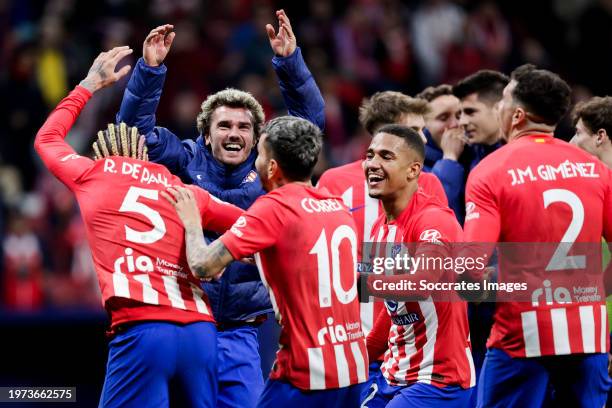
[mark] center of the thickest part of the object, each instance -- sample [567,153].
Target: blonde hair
[123,141]
[384,108]
[232,98]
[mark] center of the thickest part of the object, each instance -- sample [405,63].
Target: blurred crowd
[354,48]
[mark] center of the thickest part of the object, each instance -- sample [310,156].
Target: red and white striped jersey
[428,340]
[136,237]
[349,182]
[306,251]
[538,189]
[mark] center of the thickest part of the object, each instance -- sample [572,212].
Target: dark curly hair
[542,93]
[295,143]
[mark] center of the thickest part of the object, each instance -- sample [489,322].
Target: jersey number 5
[131,204]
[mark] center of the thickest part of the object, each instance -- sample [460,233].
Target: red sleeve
[217,215]
[482,224]
[55,153]
[432,186]
[377,339]
[256,229]
[482,218]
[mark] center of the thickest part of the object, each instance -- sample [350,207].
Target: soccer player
[445,141]
[305,247]
[593,122]
[479,94]
[533,344]
[221,160]
[349,182]
[161,321]
[427,362]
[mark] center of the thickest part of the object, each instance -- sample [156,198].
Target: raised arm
[56,154]
[141,98]
[298,87]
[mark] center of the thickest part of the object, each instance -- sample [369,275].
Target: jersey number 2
[560,260]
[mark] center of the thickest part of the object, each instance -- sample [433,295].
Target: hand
[102,72]
[283,44]
[452,143]
[157,44]
[183,201]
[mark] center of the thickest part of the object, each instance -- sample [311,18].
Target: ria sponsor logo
[551,295]
[338,333]
[141,263]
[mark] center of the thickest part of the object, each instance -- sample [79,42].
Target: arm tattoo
[205,261]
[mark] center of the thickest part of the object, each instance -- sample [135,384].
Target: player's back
[552,200]
[137,239]
[547,190]
[311,273]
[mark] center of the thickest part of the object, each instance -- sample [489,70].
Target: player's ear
[518,116]
[274,170]
[601,136]
[413,171]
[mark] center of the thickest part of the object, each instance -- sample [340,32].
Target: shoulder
[434,222]
[341,175]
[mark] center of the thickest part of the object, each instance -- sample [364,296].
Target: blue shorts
[575,380]
[281,394]
[369,389]
[380,394]
[240,378]
[151,363]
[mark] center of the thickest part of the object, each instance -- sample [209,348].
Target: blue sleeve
[300,91]
[164,147]
[242,197]
[141,96]
[451,175]
[138,107]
